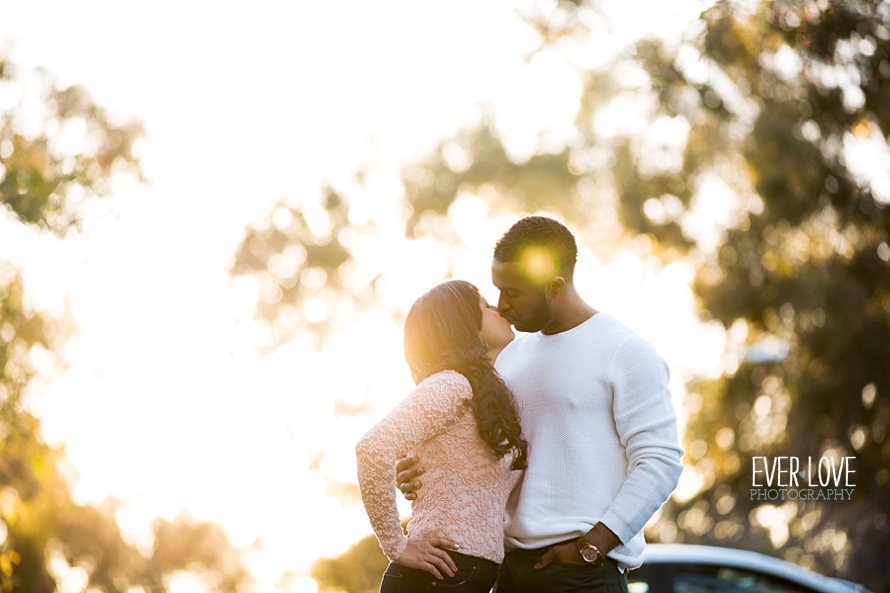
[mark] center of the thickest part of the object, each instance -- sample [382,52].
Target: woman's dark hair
[442,333]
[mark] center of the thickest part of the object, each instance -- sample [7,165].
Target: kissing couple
[542,454]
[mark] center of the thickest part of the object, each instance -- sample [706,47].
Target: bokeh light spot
[538,264]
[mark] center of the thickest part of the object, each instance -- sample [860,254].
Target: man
[595,408]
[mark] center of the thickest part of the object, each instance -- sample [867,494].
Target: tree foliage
[58,149]
[792,89]
[358,570]
[302,268]
[477,161]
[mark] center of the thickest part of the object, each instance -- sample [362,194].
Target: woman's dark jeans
[474,575]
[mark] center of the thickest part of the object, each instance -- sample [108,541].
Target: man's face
[521,303]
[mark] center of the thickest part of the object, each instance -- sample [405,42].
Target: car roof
[693,554]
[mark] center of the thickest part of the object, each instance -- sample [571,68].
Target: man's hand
[600,536]
[428,553]
[407,471]
[565,553]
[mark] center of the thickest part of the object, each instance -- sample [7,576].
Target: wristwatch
[590,554]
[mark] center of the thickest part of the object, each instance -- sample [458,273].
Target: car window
[703,578]
[718,579]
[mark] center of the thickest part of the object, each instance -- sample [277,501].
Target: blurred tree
[755,147]
[58,149]
[358,570]
[786,102]
[477,161]
[301,257]
[200,547]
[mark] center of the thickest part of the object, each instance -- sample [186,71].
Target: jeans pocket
[464,574]
[391,583]
[616,580]
[573,566]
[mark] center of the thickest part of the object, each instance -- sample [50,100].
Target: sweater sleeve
[647,428]
[433,406]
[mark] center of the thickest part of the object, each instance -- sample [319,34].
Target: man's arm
[647,428]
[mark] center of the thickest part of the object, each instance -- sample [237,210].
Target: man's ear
[555,286]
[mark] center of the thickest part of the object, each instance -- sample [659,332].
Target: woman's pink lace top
[465,488]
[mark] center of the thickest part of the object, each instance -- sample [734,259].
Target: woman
[462,423]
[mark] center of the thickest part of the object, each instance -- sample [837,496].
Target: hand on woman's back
[407,470]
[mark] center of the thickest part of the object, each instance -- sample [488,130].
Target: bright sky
[165,404]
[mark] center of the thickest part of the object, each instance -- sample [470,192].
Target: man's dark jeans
[518,575]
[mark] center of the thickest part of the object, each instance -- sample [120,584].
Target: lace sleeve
[434,405]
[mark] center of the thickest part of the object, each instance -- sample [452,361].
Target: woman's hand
[428,553]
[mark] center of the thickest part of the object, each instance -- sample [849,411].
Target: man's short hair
[542,234]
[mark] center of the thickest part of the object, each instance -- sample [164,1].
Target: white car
[669,568]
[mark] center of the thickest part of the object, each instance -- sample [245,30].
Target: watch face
[589,554]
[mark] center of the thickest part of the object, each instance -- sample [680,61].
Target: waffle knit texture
[595,408]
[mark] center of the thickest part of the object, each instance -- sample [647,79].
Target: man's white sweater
[595,408]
